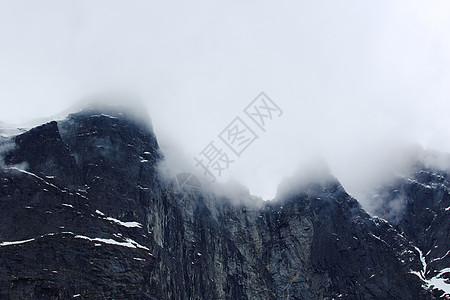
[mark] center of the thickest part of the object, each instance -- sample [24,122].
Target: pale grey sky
[352,77]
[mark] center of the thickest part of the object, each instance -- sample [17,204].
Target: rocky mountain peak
[90,216]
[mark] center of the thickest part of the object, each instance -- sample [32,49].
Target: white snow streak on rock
[126,224]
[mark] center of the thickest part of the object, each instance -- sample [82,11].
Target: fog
[357,82]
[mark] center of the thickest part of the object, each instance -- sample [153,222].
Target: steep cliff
[84,214]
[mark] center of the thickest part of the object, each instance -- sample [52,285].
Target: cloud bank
[355,80]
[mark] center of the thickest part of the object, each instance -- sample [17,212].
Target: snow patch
[16,242]
[106,241]
[424,263]
[129,242]
[137,245]
[436,282]
[378,238]
[25,241]
[440,258]
[119,222]
[125,224]
[440,283]
[35,176]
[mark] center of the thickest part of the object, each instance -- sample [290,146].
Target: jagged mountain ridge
[85,214]
[419,207]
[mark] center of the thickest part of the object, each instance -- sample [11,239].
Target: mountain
[85,214]
[418,205]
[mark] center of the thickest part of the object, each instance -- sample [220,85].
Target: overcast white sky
[352,77]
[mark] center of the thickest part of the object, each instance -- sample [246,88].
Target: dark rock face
[90,218]
[419,206]
[43,151]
